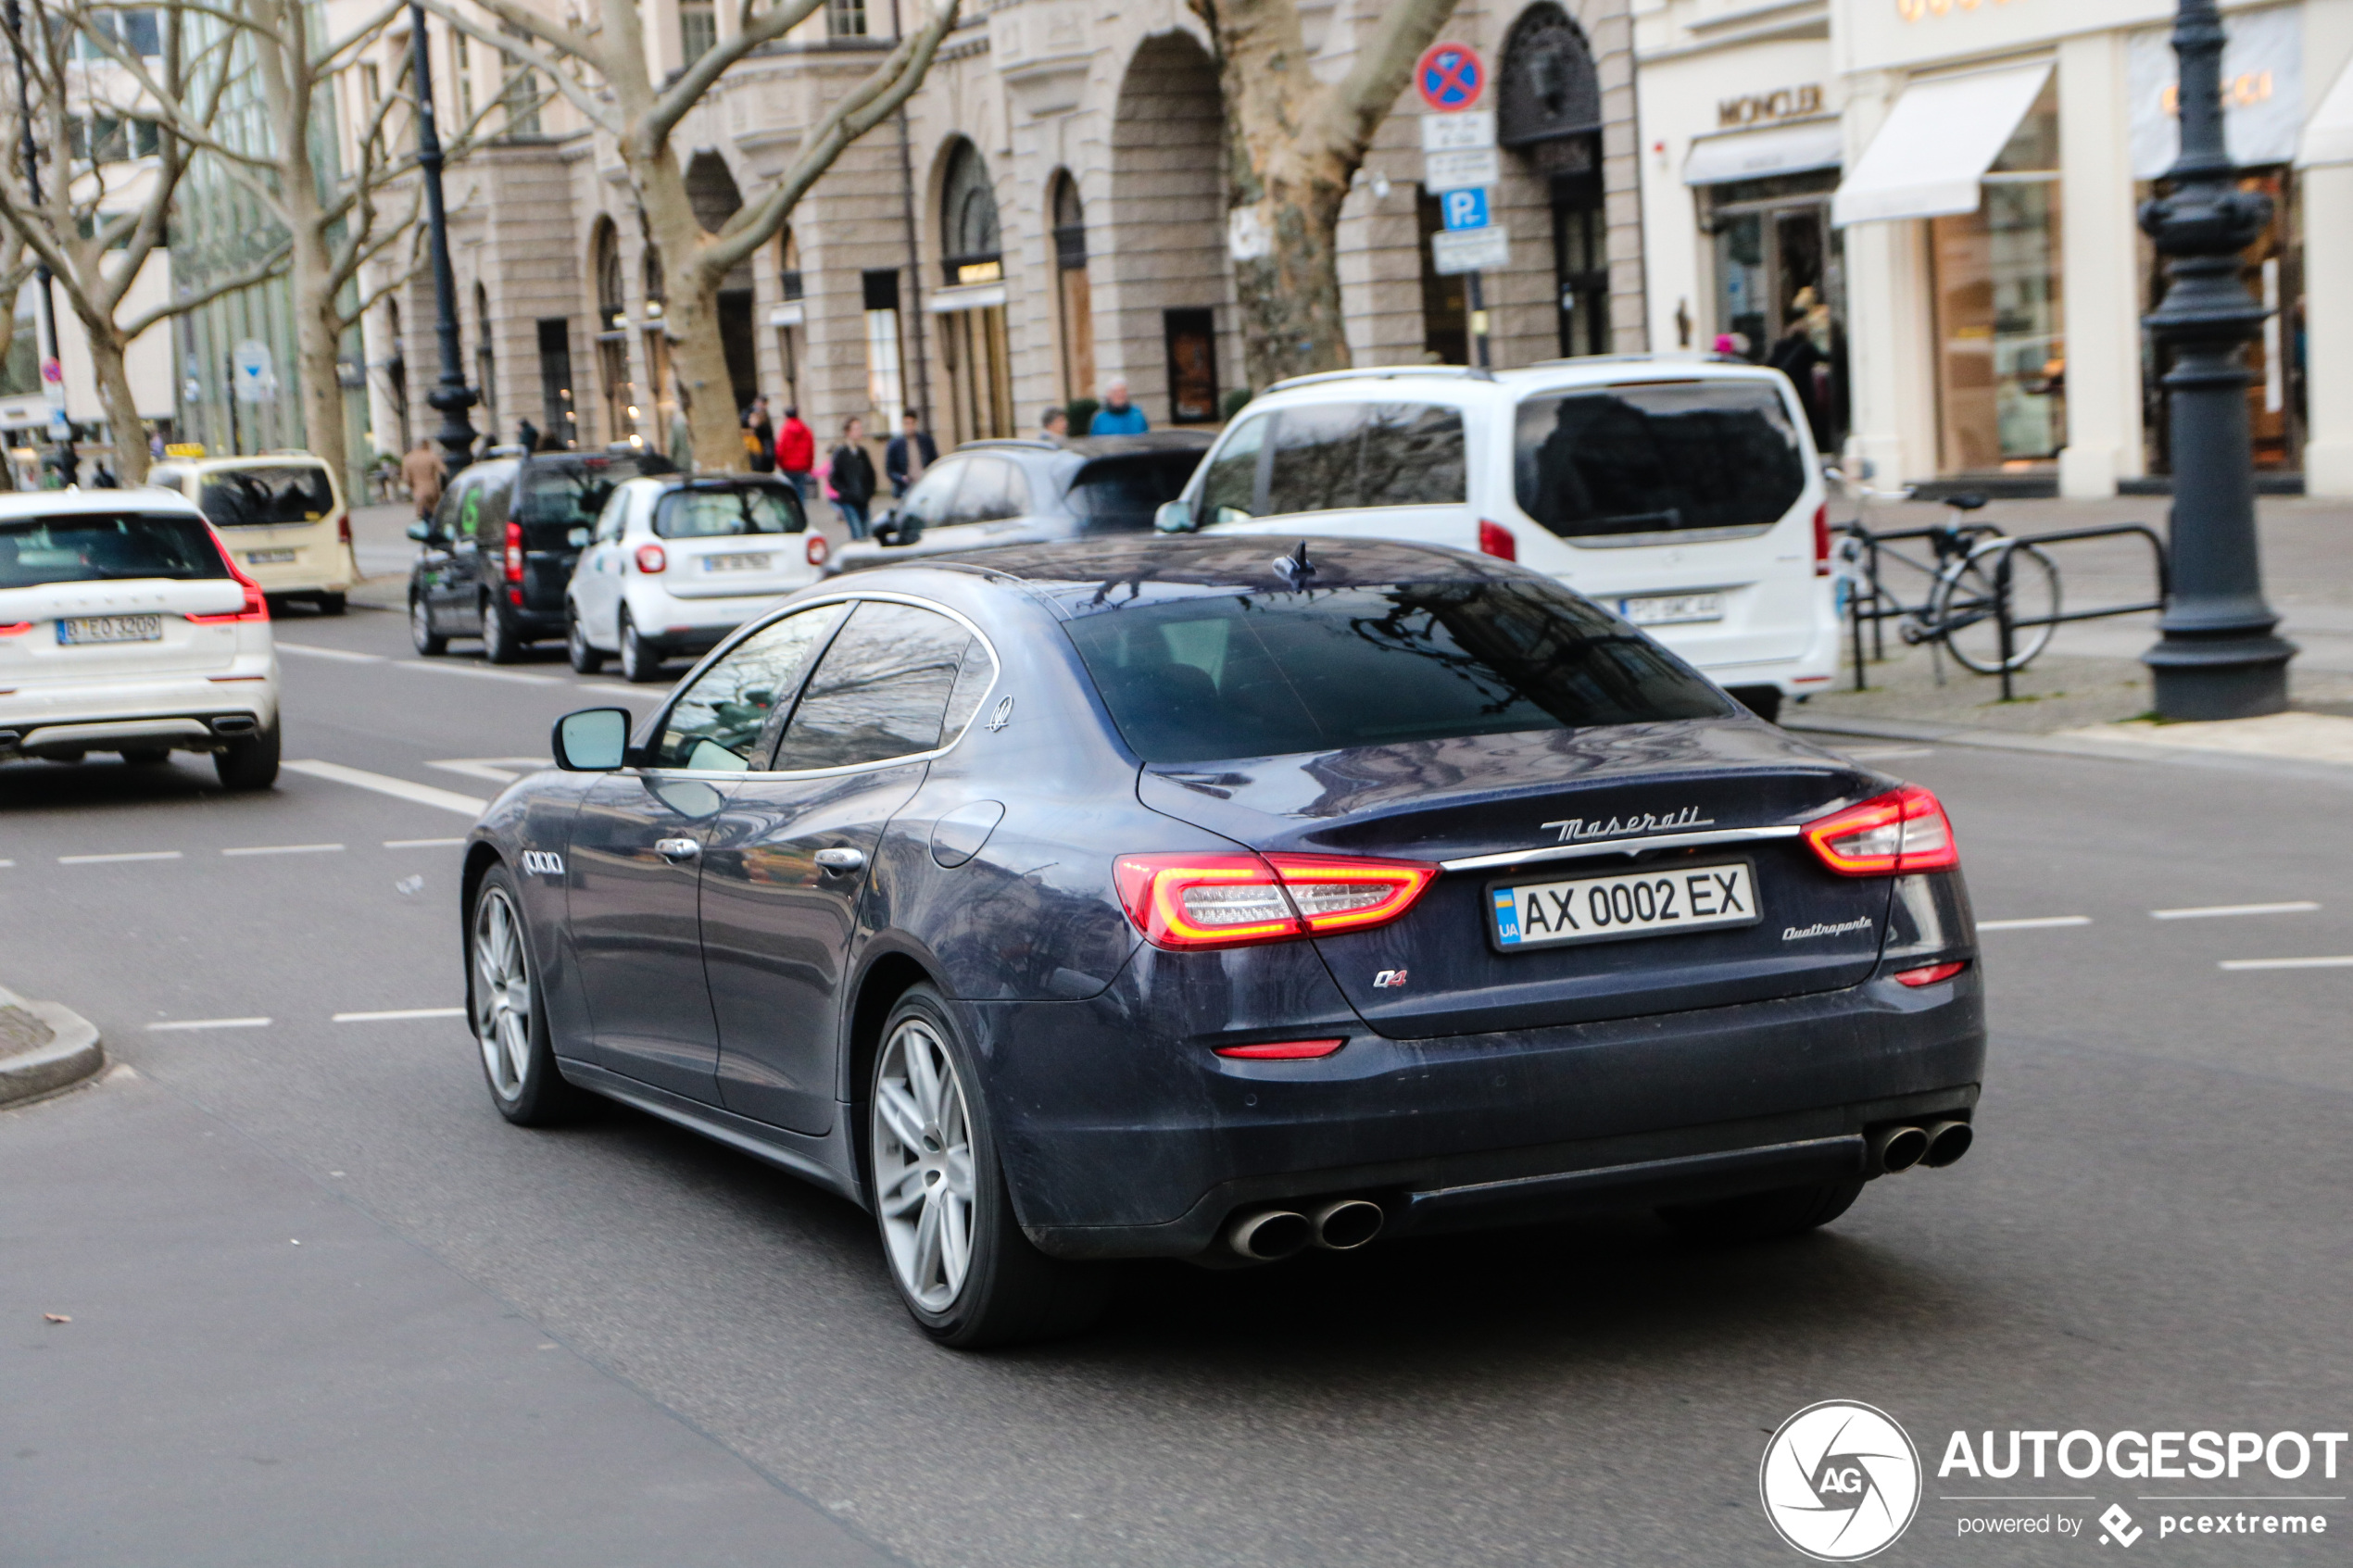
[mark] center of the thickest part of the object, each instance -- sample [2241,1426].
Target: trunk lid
[1540,808]
[181,646]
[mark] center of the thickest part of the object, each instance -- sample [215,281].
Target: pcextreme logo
[1841,1481]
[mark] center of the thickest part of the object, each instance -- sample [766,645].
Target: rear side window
[1340,456]
[266,496]
[87,550]
[1120,495]
[571,492]
[1271,674]
[1666,458]
[712,514]
[880,692]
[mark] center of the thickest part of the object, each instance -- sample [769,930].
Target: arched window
[620,394]
[486,363]
[972,241]
[1072,298]
[612,298]
[1548,111]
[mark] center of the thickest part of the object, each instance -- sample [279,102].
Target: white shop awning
[964,296]
[2328,136]
[1759,155]
[1936,146]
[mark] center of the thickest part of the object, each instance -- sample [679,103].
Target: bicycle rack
[1886,607]
[2008,624]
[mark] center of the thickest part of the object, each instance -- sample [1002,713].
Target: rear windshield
[268,495]
[1269,674]
[1112,495]
[574,491]
[87,550]
[1337,455]
[712,514]
[1664,458]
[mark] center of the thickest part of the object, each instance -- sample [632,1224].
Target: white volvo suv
[125,626]
[1683,493]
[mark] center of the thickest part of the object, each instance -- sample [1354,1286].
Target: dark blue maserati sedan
[1215,900]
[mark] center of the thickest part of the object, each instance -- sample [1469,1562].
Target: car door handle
[676,849]
[841,860]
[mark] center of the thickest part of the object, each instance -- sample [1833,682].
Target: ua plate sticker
[1623,903]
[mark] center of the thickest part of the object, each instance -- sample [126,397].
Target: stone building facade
[1047,215]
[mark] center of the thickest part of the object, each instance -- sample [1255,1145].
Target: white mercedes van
[1683,493]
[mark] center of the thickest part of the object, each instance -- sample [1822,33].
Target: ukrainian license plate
[760,562]
[1672,609]
[269,558]
[1607,909]
[111,629]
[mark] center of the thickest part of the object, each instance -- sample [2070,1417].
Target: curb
[1931,734]
[72,1053]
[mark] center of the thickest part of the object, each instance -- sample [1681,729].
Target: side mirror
[422,531]
[595,740]
[1173,517]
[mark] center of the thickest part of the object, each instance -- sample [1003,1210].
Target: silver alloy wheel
[420,628]
[502,993]
[924,1184]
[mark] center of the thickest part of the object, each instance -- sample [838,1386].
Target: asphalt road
[328,1309]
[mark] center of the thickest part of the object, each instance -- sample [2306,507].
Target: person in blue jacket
[1118,416]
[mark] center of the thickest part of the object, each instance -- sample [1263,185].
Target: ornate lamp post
[451,394]
[2218,657]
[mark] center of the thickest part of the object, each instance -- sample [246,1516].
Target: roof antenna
[1296,566]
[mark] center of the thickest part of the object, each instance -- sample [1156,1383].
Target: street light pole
[451,395]
[2218,657]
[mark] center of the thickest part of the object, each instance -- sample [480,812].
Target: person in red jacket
[796,451]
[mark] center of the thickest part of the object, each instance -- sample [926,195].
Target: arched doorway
[1164,249]
[619,393]
[712,193]
[1073,300]
[657,344]
[972,305]
[485,367]
[1549,112]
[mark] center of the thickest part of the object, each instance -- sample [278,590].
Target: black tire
[501,644]
[1763,1216]
[517,1063]
[250,761]
[334,604]
[586,658]
[1763,701]
[147,756]
[421,635]
[1011,1293]
[640,660]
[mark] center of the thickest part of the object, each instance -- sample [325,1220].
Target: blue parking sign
[1464,210]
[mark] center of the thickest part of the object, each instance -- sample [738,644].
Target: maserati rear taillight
[1905,830]
[1233,899]
[1282,1051]
[1931,974]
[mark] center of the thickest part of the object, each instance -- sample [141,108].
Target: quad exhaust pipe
[1267,1235]
[1905,1144]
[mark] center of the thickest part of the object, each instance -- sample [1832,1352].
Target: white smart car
[676,563]
[127,626]
[1682,493]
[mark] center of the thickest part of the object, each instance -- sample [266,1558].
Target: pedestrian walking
[424,474]
[1055,424]
[527,436]
[1118,416]
[64,465]
[849,473]
[910,452]
[796,452]
[760,436]
[682,441]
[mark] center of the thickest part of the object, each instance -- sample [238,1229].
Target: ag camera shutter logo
[1841,1481]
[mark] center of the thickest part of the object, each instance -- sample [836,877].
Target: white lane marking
[2043,923]
[118,860]
[2345,963]
[6,863]
[421,843]
[397,1014]
[383,784]
[2209,912]
[514,675]
[210,1023]
[345,653]
[1874,753]
[285,849]
[498,769]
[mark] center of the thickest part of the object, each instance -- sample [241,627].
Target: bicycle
[1962,609]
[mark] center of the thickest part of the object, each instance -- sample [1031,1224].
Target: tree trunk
[1289,292]
[319,348]
[690,316]
[114,396]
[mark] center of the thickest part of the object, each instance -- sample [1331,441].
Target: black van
[500,548]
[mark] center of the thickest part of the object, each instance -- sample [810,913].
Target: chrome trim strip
[1618,846]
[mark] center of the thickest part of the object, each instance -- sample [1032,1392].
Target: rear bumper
[679,625]
[1474,1130]
[185,712]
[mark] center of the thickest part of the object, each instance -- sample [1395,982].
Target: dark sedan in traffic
[1187,898]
